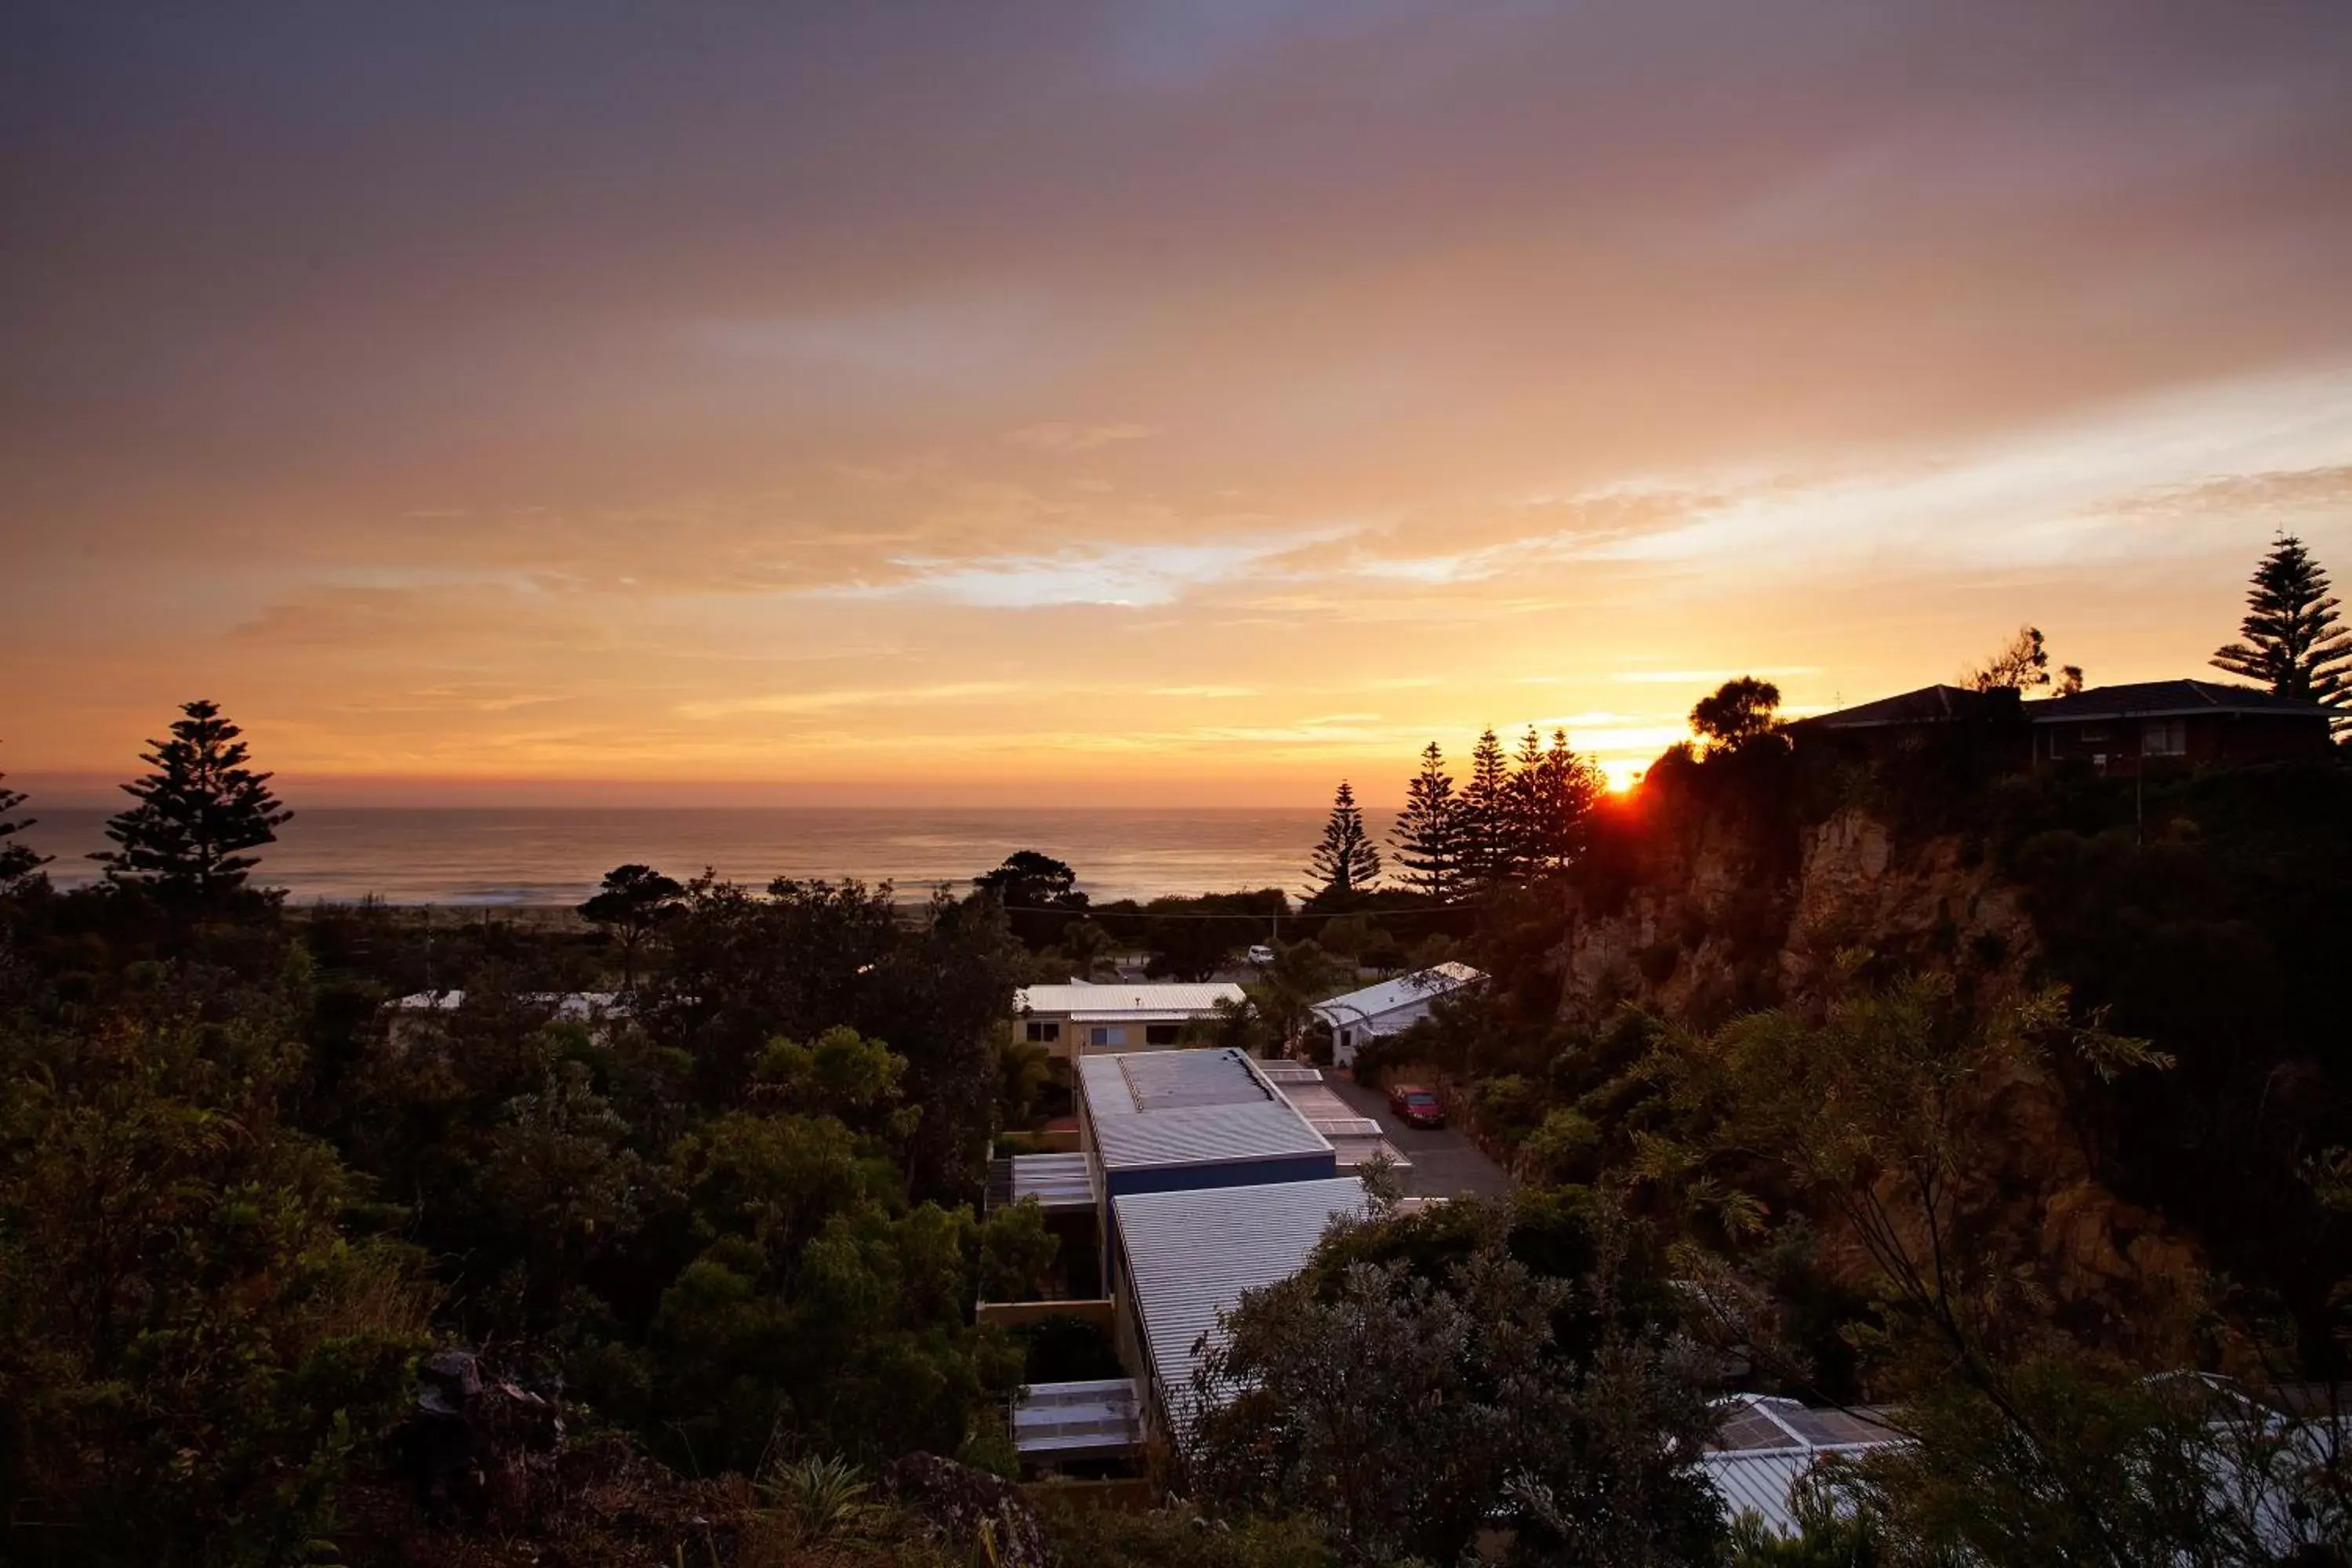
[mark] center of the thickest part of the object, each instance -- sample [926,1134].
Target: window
[1044,1033]
[2164,738]
[2094,735]
[1162,1034]
[1100,1036]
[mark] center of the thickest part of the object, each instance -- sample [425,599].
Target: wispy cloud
[839,700]
[1055,436]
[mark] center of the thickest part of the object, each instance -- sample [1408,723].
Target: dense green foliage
[241,1191]
[1476,1365]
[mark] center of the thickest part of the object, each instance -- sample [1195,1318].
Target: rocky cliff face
[1717,925]
[1711,930]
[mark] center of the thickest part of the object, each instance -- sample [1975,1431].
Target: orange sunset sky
[1151,403]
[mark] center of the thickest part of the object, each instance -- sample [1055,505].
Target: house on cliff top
[2114,728]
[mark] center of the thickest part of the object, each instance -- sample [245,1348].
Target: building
[1763,1447]
[1157,1121]
[1125,1015]
[1355,1140]
[412,1017]
[2114,728]
[1389,1008]
[1186,1257]
[2179,725]
[1916,720]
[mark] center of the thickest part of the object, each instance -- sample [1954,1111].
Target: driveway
[1444,1161]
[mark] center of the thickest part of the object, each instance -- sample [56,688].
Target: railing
[1099,1313]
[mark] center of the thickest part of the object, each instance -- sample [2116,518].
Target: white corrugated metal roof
[1758,1484]
[1138,997]
[1068,1420]
[1188,1107]
[1055,1180]
[1391,995]
[1191,1254]
[1209,1135]
[1763,1445]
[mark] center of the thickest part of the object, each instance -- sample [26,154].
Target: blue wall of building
[1318,1166]
[1312,1167]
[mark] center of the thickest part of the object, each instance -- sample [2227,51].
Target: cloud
[996,370]
[953,692]
[1066,438]
[2285,495]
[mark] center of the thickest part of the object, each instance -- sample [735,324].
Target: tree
[1040,895]
[1486,813]
[1880,1116]
[633,902]
[2292,642]
[1088,947]
[2018,663]
[1302,974]
[1427,837]
[17,861]
[1739,713]
[1428,1376]
[1552,792]
[1346,861]
[198,1337]
[200,807]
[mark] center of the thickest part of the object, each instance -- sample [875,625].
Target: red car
[1416,1106]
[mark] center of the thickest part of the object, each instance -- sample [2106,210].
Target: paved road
[1444,1161]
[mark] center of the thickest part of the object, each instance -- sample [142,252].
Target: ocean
[556,856]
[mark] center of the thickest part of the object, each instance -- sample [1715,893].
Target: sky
[1134,404]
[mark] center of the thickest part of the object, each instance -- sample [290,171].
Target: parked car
[1261,954]
[1417,1106]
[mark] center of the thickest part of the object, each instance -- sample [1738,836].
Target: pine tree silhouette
[2293,643]
[196,811]
[1346,861]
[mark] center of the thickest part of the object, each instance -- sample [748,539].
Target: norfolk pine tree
[1565,787]
[1486,813]
[1427,837]
[1346,861]
[2292,642]
[17,861]
[200,807]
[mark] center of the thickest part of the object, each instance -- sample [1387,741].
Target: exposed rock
[965,1504]
[484,1451]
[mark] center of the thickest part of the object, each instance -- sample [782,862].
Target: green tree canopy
[199,808]
[2291,642]
[1431,1374]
